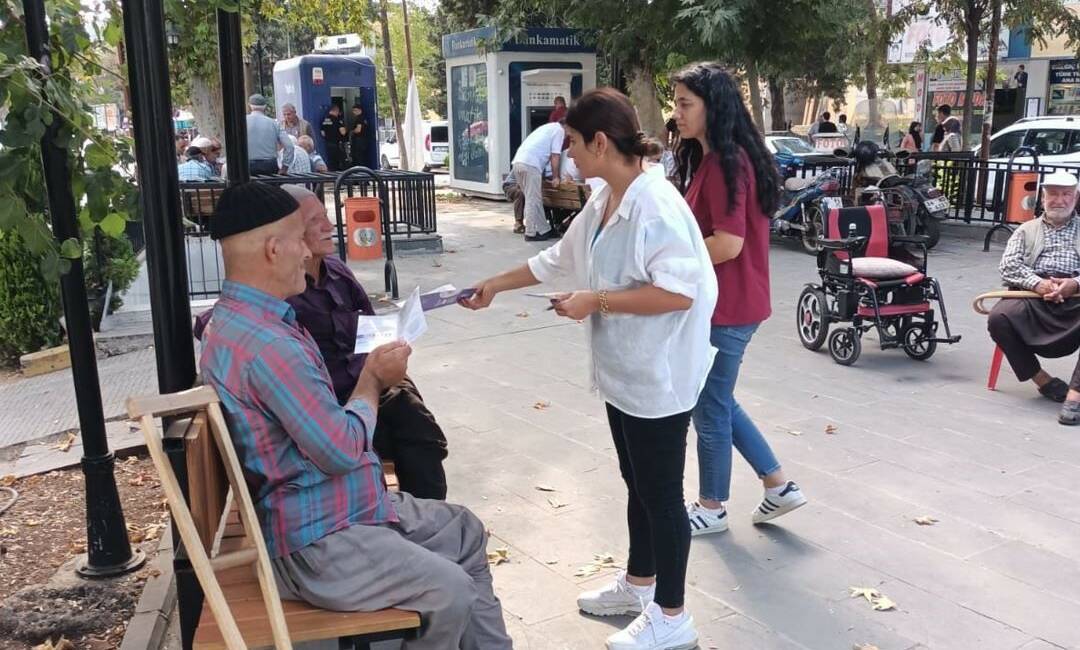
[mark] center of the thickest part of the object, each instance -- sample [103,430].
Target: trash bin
[1023,195]
[363,226]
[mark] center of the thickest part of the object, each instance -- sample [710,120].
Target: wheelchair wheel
[919,343]
[812,319]
[844,346]
[815,230]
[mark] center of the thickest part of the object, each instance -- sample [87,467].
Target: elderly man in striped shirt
[337,538]
[1043,256]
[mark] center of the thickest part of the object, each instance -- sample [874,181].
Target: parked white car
[436,147]
[1056,138]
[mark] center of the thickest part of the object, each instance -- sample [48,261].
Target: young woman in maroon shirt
[731,183]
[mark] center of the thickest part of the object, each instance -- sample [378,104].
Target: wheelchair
[871,280]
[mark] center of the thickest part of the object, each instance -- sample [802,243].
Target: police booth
[315,81]
[499,92]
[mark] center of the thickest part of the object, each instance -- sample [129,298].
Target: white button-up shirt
[645,366]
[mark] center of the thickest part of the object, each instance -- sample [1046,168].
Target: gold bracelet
[605,309]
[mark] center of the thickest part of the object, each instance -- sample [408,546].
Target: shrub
[109,259]
[29,304]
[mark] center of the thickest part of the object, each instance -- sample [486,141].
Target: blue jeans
[720,421]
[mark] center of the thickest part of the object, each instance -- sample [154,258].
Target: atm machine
[539,88]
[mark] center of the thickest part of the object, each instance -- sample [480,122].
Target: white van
[436,147]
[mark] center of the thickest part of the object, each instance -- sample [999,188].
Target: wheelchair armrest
[910,239]
[848,244]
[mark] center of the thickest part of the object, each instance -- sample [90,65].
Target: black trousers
[652,455]
[406,433]
[335,158]
[1028,328]
[263,167]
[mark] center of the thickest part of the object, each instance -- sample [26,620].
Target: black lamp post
[109,552]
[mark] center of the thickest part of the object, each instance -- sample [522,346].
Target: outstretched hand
[481,299]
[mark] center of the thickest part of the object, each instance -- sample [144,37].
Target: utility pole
[391,84]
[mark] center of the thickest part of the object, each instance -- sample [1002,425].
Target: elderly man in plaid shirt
[1043,256]
[336,536]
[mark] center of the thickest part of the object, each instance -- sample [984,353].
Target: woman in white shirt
[647,291]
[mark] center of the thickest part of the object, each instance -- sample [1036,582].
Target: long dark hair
[609,111]
[915,135]
[728,128]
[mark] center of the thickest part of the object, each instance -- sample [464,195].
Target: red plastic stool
[995,368]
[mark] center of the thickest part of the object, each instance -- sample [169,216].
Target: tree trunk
[643,96]
[391,85]
[251,86]
[991,79]
[776,99]
[408,37]
[754,82]
[871,95]
[206,106]
[974,19]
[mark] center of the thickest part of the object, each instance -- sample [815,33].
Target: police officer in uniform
[334,135]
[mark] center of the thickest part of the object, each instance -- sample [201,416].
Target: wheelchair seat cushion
[881,268]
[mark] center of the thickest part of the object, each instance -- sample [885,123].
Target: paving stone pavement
[1000,568]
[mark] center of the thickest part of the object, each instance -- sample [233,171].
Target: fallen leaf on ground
[65,444]
[877,601]
[736,587]
[794,432]
[869,593]
[553,560]
[555,503]
[32,522]
[540,406]
[498,556]
[544,488]
[865,646]
[7,480]
[436,263]
[522,314]
[830,429]
[138,480]
[600,562]
[925,521]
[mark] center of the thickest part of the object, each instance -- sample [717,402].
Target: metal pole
[231,61]
[108,550]
[148,74]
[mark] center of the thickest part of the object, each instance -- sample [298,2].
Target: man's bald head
[318,230]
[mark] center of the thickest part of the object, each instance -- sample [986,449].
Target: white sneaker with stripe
[705,520]
[773,505]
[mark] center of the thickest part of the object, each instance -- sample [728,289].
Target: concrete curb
[146,629]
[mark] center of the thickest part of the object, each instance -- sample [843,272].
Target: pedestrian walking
[646,293]
[334,136]
[733,187]
[912,142]
[265,135]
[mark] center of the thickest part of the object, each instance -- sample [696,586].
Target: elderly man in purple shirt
[406,431]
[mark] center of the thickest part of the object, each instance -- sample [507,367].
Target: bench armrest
[848,244]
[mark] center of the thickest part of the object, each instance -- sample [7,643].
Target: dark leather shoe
[1055,390]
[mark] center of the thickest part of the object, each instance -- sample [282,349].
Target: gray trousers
[433,561]
[530,180]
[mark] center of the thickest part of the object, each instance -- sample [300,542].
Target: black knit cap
[249,205]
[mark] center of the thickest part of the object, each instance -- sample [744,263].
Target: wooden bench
[562,203]
[220,532]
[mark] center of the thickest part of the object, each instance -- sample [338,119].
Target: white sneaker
[654,631]
[774,505]
[704,521]
[619,598]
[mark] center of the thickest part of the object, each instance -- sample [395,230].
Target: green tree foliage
[29,303]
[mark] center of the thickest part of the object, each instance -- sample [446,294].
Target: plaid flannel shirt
[1058,257]
[308,461]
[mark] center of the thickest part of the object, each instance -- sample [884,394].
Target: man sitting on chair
[405,431]
[337,537]
[1043,256]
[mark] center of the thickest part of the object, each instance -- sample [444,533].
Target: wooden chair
[980,308]
[562,203]
[220,531]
